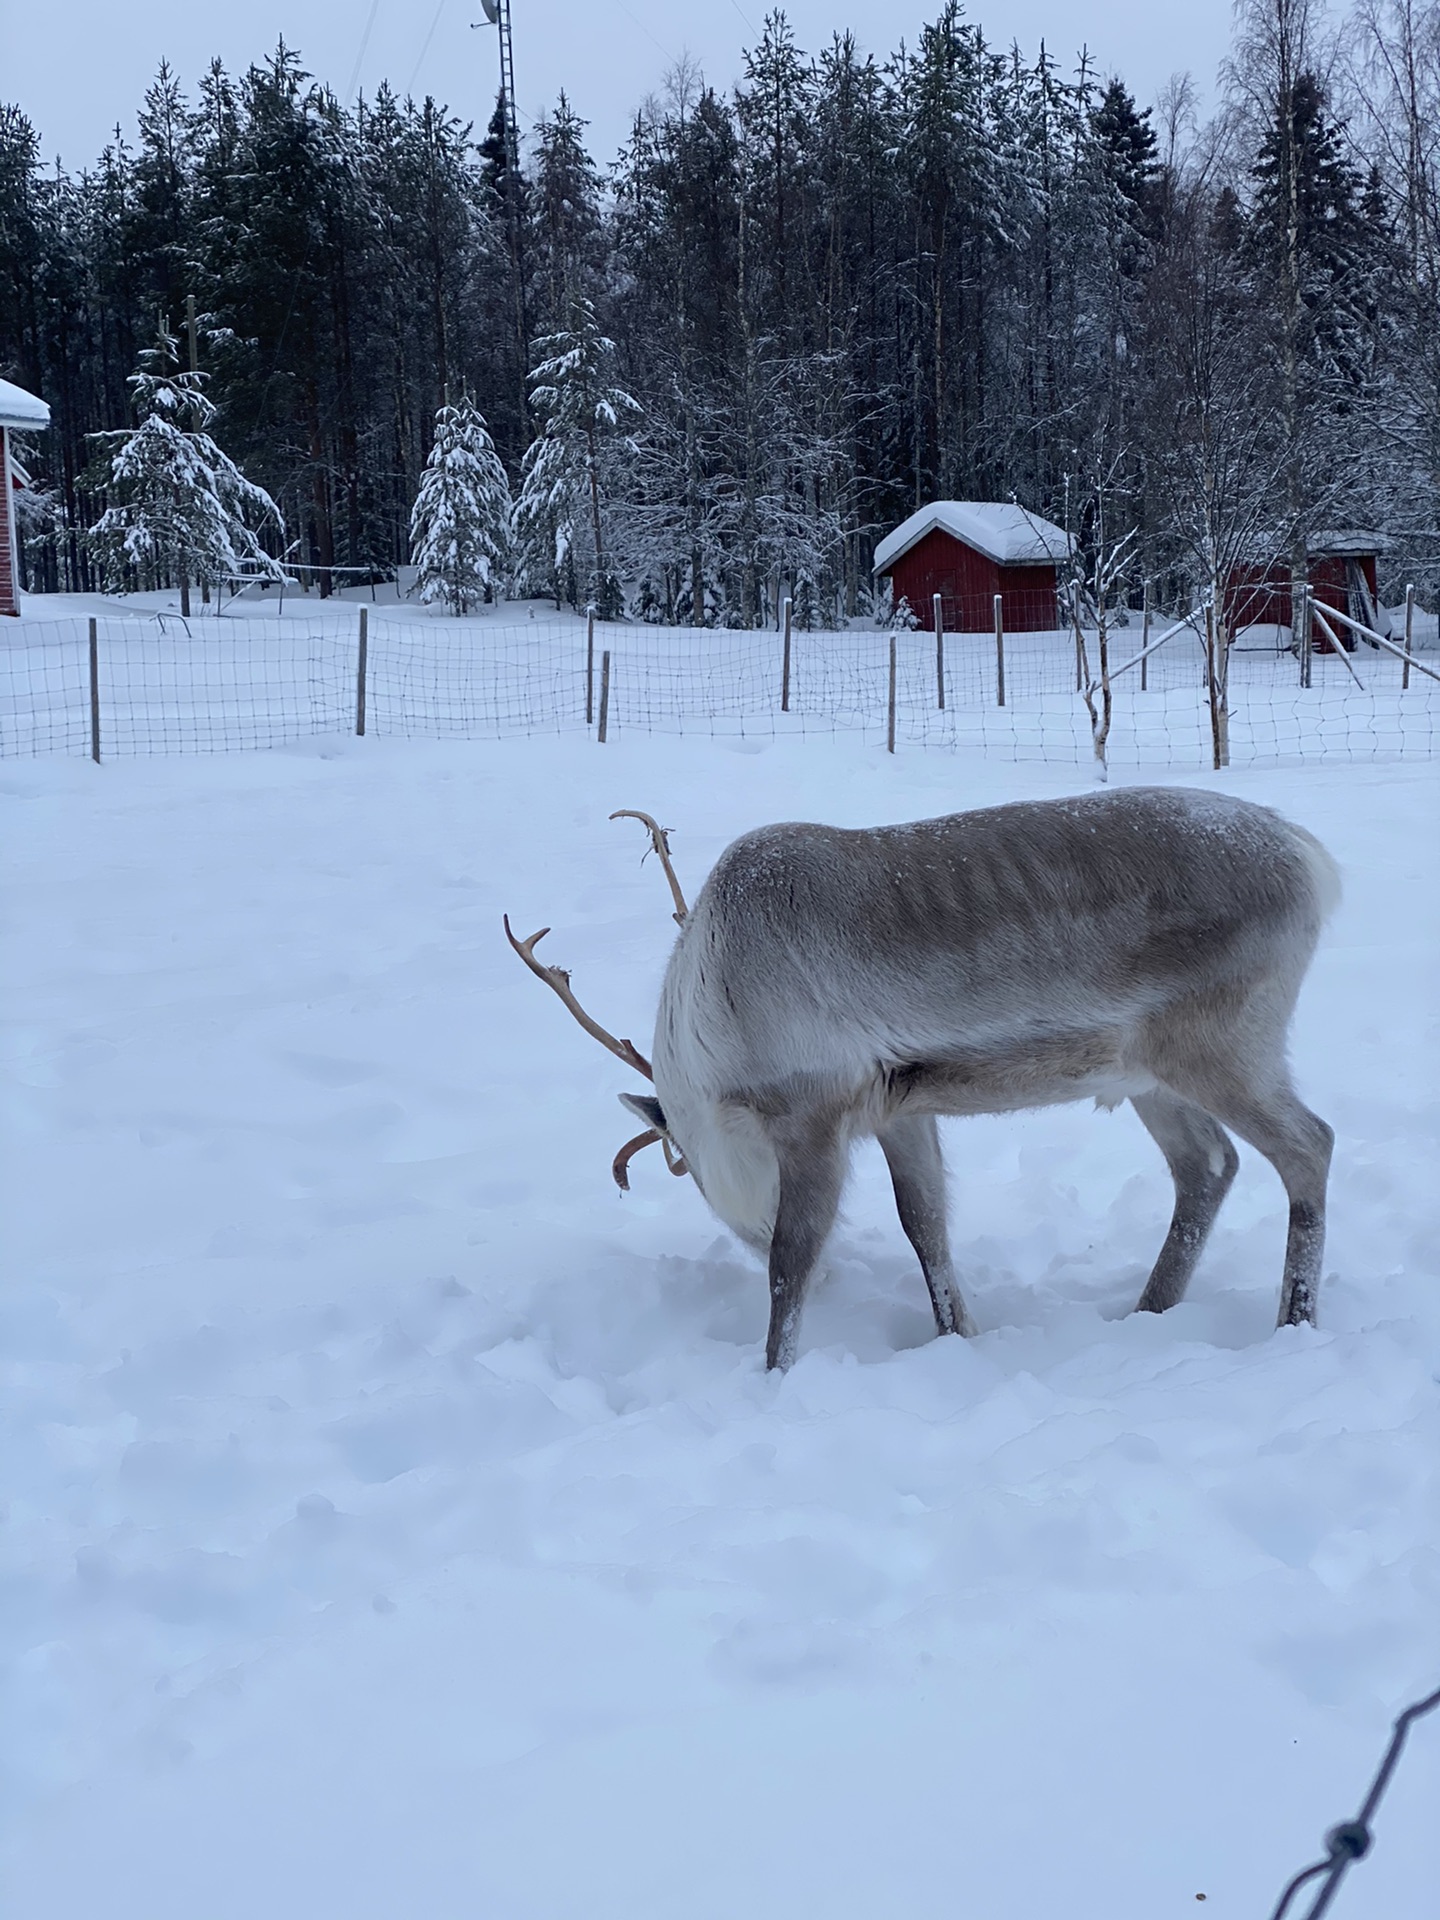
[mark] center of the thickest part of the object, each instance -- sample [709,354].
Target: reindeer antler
[660,840]
[620,1165]
[558,980]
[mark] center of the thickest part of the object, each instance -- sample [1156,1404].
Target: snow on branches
[559,517]
[184,510]
[460,525]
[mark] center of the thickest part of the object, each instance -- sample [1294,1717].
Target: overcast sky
[78,66]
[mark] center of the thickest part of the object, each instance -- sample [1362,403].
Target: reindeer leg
[812,1172]
[911,1145]
[1253,1097]
[1202,1162]
[1298,1144]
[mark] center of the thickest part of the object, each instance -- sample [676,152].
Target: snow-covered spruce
[460,525]
[560,515]
[180,507]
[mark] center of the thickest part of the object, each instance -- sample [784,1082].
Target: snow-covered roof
[21,409]
[1005,533]
[1270,549]
[1348,540]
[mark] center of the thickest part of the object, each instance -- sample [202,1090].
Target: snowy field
[400,1523]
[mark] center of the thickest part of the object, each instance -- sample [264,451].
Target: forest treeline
[850,285]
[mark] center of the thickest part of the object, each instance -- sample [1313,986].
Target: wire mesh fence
[127,685]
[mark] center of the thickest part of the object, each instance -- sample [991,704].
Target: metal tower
[497,12]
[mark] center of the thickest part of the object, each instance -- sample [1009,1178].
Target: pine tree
[560,514]
[460,527]
[185,511]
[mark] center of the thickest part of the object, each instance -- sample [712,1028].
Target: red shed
[1342,573]
[17,409]
[967,551]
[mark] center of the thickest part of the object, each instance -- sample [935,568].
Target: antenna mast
[507,86]
[497,13]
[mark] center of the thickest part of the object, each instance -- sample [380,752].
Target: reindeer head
[644,1106]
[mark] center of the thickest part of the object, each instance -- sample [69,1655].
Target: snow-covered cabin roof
[1347,541]
[21,409]
[1270,549]
[1003,532]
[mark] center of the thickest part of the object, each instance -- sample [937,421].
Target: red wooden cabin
[1342,574]
[17,409]
[967,551]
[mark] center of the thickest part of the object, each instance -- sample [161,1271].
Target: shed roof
[1269,549]
[1001,530]
[21,409]
[1344,542]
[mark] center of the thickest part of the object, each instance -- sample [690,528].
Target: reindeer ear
[645,1108]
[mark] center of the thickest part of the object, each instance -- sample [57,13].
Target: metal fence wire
[126,684]
[1352,1839]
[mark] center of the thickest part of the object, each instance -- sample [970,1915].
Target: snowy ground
[400,1522]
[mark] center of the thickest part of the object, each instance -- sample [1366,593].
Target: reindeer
[1146,944]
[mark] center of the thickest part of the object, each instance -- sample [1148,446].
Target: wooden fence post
[1145,641]
[938,607]
[601,730]
[589,664]
[785,668]
[890,705]
[95,692]
[999,650]
[361,666]
[1303,637]
[1409,635]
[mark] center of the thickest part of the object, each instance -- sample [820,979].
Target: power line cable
[360,56]
[424,48]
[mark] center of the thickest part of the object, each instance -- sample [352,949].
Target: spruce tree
[460,526]
[560,514]
[181,510]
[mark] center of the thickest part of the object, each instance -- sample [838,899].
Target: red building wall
[9,586]
[1257,595]
[967,583]
[1030,604]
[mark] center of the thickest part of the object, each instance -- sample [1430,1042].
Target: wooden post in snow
[785,663]
[361,669]
[95,692]
[602,729]
[999,650]
[590,663]
[890,704]
[938,606]
[1145,640]
[1409,635]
